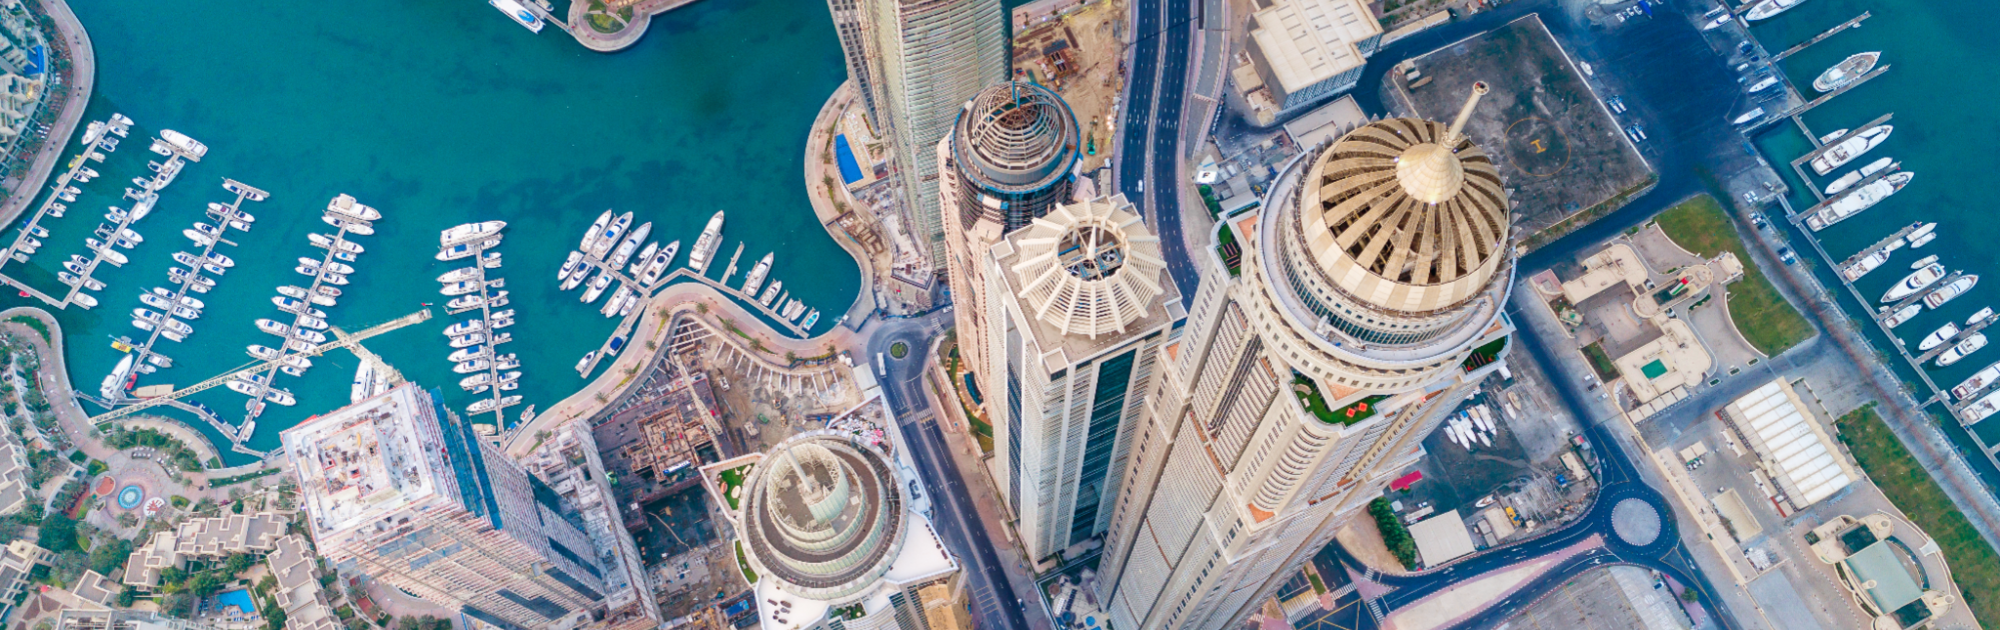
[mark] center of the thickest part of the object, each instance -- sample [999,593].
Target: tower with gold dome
[1335,327]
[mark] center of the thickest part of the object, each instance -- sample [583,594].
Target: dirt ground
[1558,150]
[1081,56]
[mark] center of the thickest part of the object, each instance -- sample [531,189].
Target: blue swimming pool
[850,171]
[238,599]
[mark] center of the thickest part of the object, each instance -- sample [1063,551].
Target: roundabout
[1635,522]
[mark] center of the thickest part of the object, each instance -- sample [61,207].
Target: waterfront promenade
[642,19]
[83,67]
[818,170]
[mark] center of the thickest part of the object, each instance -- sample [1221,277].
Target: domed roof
[823,514]
[1015,136]
[1089,268]
[1406,214]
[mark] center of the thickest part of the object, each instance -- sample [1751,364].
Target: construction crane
[345,341]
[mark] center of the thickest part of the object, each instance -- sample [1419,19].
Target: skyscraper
[849,22]
[1008,160]
[1080,305]
[1334,329]
[925,58]
[397,488]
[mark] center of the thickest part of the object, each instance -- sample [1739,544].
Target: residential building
[568,461]
[1335,327]
[17,560]
[202,539]
[827,526]
[14,489]
[298,593]
[1008,160]
[848,23]
[398,488]
[92,618]
[1080,305]
[924,59]
[1307,50]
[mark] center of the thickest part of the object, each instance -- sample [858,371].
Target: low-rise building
[14,489]
[1307,50]
[203,538]
[1887,578]
[1793,447]
[299,592]
[17,559]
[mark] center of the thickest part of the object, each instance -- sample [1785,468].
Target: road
[1150,148]
[995,604]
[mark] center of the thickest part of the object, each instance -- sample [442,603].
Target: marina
[100,138]
[298,339]
[476,342]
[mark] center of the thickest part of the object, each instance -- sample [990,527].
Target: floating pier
[145,351]
[1878,246]
[1955,339]
[476,247]
[1821,37]
[324,275]
[107,141]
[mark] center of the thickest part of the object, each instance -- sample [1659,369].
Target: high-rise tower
[1335,328]
[850,23]
[1008,160]
[1080,305]
[925,58]
[397,488]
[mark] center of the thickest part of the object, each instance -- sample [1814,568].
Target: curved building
[1012,150]
[824,524]
[1335,328]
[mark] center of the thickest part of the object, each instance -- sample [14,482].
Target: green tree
[58,533]
[107,556]
[238,563]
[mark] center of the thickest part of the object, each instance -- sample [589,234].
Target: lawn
[1600,362]
[731,480]
[1766,320]
[1974,565]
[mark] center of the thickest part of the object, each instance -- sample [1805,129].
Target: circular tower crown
[1405,214]
[823,514]
[1014,145]
[1089,268]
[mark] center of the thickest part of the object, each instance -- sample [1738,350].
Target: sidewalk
[83,64]
[986,498]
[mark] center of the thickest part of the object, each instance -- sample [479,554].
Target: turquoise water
[440,114]
[1938,87]
[238,599]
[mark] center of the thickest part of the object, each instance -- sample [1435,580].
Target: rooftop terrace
[374,457]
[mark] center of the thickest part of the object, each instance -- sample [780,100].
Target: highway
[995,605]
[1161,62]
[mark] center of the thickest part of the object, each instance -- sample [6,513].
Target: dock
[1821,37]
[145,351]
[1818,100]
[1878,246]
[1956,339]
[289,348]
[749,301]
[1915,297]
[114,128]
[1800,218]
[500,399]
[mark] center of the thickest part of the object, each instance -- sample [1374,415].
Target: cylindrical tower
[1013,146]
[822,515]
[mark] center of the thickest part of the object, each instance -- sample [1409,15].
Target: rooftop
[823,514]
[1015,136]
[1086,274]
[1309,41]
[366,459]
[1804,460]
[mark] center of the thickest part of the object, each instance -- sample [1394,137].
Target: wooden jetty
[1821,37]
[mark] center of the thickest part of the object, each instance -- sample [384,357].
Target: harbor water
[1938,91]
[439,114]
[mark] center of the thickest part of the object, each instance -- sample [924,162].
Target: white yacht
[658,264]
[1959,352]
[459,275]
[352,226]
[114,383]
[1845,72]
[1855,176]
[569,266]
[597,286]
[464,327]
[645,256]
[273,327]
[771,293]
[1922,240]
[475,365]
[491,404]
[631,244]
[1938,337]
[185,299]
[471,232]
[700,257]
[616,302]
[263,353]
[462,355]
[1850,204]
[327,242]
[1979,381]
[755,279]
[1951,290]
[460,288]
[1980,410]
[596,230]
[609,237]
[185,144]
[462,250]
[1916,281]
[1853,147]
[345,204]
[466,341]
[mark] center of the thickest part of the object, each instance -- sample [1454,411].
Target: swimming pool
[238,599]
[850,171]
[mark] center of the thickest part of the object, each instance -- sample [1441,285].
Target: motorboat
[1855,176]
[1980,410]
[462,250]
[1853,147]
[345,204]
[1863,198]
[506,362]
[703,253]
[351,226]
[501,322]
[329,277]
[1963,349]
[461,288]
[755,279]
[459,275]
[129,235]
[314,323]
[465,327]
[207,229]
[56,210]
[462,355]
[365,381]
[112,256]
[467,341]
[1938,337]
[265,353]
[151,316]
[115,382]
[472,300]
[273,327]
[617,343]
[609,237]
[569,266]
[1847,71]
[188,300]
[298,345]
[280,397]
[471,232]
[155,301]
[617,300]
[194,280]
[323,241]
[73,280]
[1917,281]
[291,305]
[491,260]
[645,256]
[1979,380]
[631,244]
[243,387]
[186,313]
[187,146]
[510,377]
[199,238]
[771,293]
[235,187]
[221,260]
[339,268]
[1921,228]
[811,318]
[292,370]
[1763,84]
[509,313]
[116,215]
[475,365]
[1920,241]
[492,404]
[1980,316]
[1951,290]
[74,267]
[583,365]
[660,263]
[476,390]
[299,361]
[596,230]
[1765,9]
[305,334]
[476,381]
[500,338]
[597,286]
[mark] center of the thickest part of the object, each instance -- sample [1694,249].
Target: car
[1785,254]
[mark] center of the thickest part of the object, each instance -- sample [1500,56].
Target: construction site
[1076,49]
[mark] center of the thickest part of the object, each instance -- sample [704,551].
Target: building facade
[924,59]
[1307,50]
[1080,305]
[849,23]
[396,487]
[1336,327]
[1009,159]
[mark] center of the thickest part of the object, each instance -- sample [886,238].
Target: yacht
[1917,281]
[631,244]
[1845,72]
[462,250]
[188,300]
[1855,176]
[755,279]
[596,230]
[155,301]
[506,362]
[700,257]
[339,268]
[243,387]
[577,277]
[645,256]
[460,288]
[471,232]
[195,281]
[481,380]
[467,341]
[657,265]
[303,334]
[1765,9]
[186,145]
[1764,84]
[265,353]
[1920,241]
[1921,228]
[1950,291]
[1840,154]
[199,238]
[1980,410]
[280,397]
[462,355]
[1980,316]
[1861,199]
[327,242]
[1956,353]
[609,237]
[771,293]
[56,210]
[597,286]
[315,323]
[114,383]
[112,256]
[569,266]
[345,204]
[1979,381]
[617,300]
[186,313]
[582,365]
[811,318]
[491,260]
[1938,337]
[464,327]
[492,404]
[475,365]
[459,275]
[473,300]
[273,327]
[290,305]
[353,227]
[127,234]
